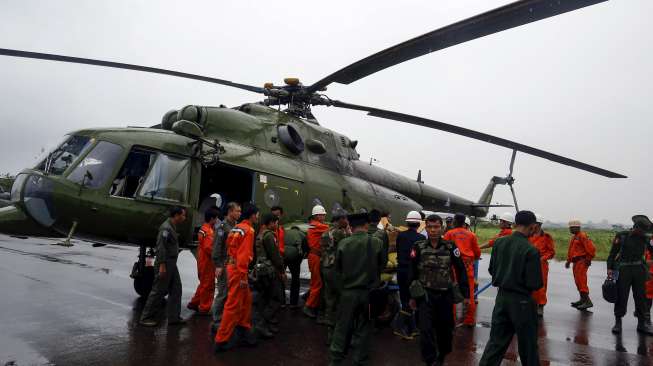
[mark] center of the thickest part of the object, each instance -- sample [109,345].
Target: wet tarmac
[76,306]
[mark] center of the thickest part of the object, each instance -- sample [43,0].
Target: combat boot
[262,332]
[586,303]
[644,327]
[617,326]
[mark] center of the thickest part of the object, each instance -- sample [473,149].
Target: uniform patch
[413,253]
[456,252]
[165,234]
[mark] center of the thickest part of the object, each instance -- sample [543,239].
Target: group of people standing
[436,270]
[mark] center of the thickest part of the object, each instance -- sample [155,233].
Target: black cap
[358,219]
[642,222]
[525,218]
[337,214]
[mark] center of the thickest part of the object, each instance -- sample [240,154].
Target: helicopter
[114,185]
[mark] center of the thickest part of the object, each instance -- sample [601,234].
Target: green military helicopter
[114,185]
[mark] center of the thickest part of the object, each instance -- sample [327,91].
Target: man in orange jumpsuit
[316,228]
[203,298]
[467,243]
[543,242]
[238,307]
[649,283]
[505,225]
[581,252]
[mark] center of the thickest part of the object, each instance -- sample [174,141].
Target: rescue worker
[167,280]
[649,283]
[543,242]
[467,243]
[404,324]
[359,260]
[293,255]
[330,240]
[581,252]
[435,265]
[516,270]
[203,298]
[219,256]
[505,229]
[626,263]
[237,314]
[378,296]
[316,229]
[269,274]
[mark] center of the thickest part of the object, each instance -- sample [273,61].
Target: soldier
[316,228]
[359,259]
[543,242]
[167,280]
[203,298]
[626,263]
[467,243]
[404,324]
[373,229]
[237,314]
[280,233]
[330,240]
[581,252]
[516,270]
[293,254]
[269,273]
[434,290]
[505,226]
[378,296]
[219,256]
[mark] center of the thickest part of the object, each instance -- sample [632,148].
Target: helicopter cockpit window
[61,158]
[168,179]
[97,166]
[132,174]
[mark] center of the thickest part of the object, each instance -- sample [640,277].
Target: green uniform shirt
[329,244]
[632,249]
[383,236]
[423,251]
[294,240]
[219,252]
[515,264]
[167,244]
[267,248]
[355,268]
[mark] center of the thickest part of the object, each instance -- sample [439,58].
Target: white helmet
[318,210]
[413,216]
[507,216]
[468,221]
[574,223]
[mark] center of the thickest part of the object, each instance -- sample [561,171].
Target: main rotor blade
[120,65]
[512,162]
[497,20]
[401,117]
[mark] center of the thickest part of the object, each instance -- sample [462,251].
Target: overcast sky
[579,85]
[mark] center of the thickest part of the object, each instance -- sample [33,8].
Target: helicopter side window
[167,180]
[98,165]
[61,158]
[132,174]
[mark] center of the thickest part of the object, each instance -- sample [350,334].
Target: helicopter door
[230,182]
[271,190]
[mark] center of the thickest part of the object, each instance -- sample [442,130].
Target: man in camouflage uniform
[626,262]
[434,289]
[269,272]
[219,256]
[338,231]
[167,280]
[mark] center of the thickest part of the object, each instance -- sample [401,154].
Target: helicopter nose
[30,207]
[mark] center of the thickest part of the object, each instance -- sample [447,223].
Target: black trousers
[436,325]
[295,269]
[635,277]
[403,280]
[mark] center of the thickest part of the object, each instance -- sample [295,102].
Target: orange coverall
[581,252]
[649,283]
[203,298]
[543,242]
[315,231]
[503,232]
[467,243]
[280,239]
[238,307]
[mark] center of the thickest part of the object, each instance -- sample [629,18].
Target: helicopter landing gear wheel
[143,272]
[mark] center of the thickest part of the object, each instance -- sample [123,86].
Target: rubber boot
[617,326]
[644,326]
[400,325]
[586,304]
[576,303]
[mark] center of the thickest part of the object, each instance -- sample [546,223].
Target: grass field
[602,240]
